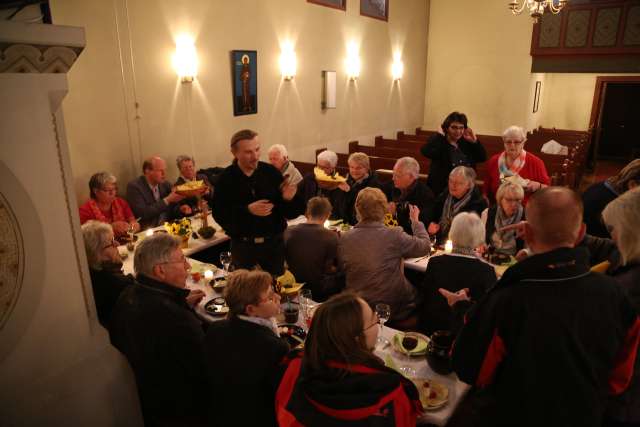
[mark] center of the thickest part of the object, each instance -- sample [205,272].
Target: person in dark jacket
[154,326]
[105,267]
[340,381]
[360,176]
[243,352]
[335,192]
[622,217]
[460,269]
[533,347]
[508,210]
[598,195]
[187,167]
[462,195]
[406,189]
[457,146]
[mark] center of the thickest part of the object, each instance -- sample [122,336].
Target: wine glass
[225,260]
[384,313]
[306,301]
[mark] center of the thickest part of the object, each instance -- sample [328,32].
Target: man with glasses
[154,326]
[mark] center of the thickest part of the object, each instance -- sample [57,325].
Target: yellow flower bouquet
[180,228]
[390,220]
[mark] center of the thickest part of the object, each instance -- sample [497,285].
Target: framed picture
[336,4]
[244,66]
[378,9]
[536,96]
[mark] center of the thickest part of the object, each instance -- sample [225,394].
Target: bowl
[207,232]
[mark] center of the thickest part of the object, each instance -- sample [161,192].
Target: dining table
[420,263]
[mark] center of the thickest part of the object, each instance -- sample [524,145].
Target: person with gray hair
[455,271]
[154,326]
[104,205]
[360,176]
[187,167]
[462,195]
[279,158]
[507,211]
[516,165]
[309,187]
[105,267]
[406,189]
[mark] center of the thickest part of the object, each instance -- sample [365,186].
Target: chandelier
[537,7]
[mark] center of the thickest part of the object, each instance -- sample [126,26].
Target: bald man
[152,198]
[551,340]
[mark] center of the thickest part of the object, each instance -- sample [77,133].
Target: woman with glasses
[339,380]
[105,206]
[242,353]
[457,145]
[507,211]
[516,165]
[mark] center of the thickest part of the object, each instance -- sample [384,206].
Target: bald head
[554,215]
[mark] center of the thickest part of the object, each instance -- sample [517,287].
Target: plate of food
[433,394]
[334,178]
[191,188]
[410,343]
[293,334]
[219,284]
[217,307]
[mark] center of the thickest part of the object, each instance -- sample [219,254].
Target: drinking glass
[306,301]
[225,260]
[384,313]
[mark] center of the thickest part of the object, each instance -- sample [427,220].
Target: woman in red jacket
[516,165]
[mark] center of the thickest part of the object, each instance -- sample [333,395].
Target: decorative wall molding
[29,58]
[11,260]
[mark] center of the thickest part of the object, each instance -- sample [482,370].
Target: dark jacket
[242,365]
[453,273]
[235,191]
[348,210]
[342,395]
[536,344]
[595,199]
[145,206]
[107,285]
[419,194]
[444,158]
[308,188]
[193,201]
[162,339]
[476,203]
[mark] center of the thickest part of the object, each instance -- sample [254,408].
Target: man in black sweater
[251,203]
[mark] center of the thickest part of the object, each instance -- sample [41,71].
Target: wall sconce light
[185,60]
[397,68]
[353,62]
[288,63]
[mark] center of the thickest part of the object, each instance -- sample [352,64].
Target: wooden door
[619,138]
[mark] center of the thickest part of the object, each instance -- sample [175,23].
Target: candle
[149,232]
[448,247]
[208,274]
[326,224]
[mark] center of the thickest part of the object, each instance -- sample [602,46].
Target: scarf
[515,167]
[505,241]
[451,209]
[117,214]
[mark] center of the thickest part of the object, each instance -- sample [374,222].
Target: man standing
[154,326]
[151,197]
[548,343]
[251,203]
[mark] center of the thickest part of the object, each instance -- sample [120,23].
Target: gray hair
[96,236]
[514,132]
[184,158]
[511,188]
[154,250]
[467,230]
[360,158]
[98,181]
[330,157]
[280,149]
[623,214]
[466,172]
[408,165]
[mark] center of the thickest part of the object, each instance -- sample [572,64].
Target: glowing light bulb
[185,59]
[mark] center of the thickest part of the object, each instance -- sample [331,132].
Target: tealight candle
[326,224]
[448,247]
[208,274]
[149,232]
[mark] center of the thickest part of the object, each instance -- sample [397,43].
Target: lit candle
[208,274]
[448,247]
[326,224]
[149,232]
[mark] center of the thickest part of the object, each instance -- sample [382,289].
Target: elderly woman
[461,269]
[105,206]
[462,195]
[516,165]
[105,266]
[360,176]
[507,211]
[377,272]
[309,187]
[598,195]
[622,217]
[456,146]
[339,380]
[279,158]
[405,189]
[248,346]
[187,167]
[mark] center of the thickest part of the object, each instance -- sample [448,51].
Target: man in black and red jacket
[551,340]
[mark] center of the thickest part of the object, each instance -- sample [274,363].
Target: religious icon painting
[244,64]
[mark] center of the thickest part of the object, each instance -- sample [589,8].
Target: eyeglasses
[182,260]
[108,190]
[508,200]
[513,142]
[375,322]
[454,127]
[112,244]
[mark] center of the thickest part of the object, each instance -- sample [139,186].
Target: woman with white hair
[507,211]
[309,187]
[360,176]
[461,269]
[516,165]
[461,195]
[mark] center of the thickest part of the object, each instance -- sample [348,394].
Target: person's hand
[414,213]
[344,187]
[194,297]
[120,228]
[392,208]
[134,226]
[469,135]
[186,210]
[533,186]
[288,191]
[522,254]
[454,297]
[518,227]
[173,197]
[261,207]
[433,228]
